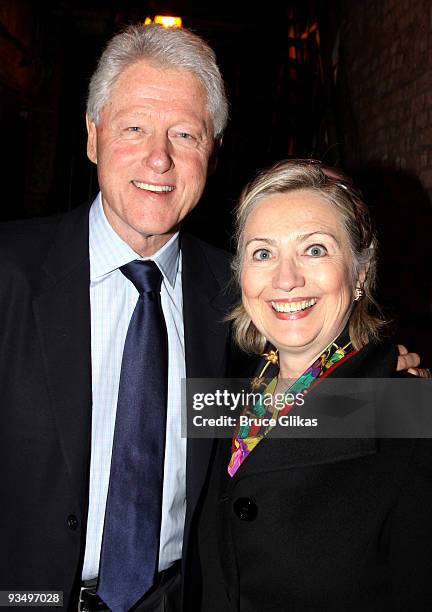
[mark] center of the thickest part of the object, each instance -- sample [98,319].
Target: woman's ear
[361,279]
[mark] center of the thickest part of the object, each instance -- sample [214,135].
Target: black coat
[46,394]
[323,524]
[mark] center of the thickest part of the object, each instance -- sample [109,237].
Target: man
[156,111]
[73,517]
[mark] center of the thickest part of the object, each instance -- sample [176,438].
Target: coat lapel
[62,312]
[273,453]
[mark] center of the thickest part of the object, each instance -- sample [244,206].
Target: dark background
[346,82]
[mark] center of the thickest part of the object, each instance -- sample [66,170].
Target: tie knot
[145,275]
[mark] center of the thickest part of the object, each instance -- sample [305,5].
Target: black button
[245,509]
[72,522]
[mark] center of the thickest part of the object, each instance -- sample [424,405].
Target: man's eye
[134,128]
[317,250]
[261,254]
[185,135]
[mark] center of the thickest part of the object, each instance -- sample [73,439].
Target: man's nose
[158,155]
[288,275]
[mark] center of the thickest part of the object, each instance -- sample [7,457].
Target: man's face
[152,146]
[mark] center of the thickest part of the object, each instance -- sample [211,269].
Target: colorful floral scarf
[248,436]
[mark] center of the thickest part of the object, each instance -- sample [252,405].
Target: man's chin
[146,242]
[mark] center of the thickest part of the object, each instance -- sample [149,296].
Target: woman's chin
[311,342]
[296,343]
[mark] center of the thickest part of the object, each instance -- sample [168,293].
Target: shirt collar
[108,251]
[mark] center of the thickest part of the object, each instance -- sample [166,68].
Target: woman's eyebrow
[258,239]
[299,237]
[321,232]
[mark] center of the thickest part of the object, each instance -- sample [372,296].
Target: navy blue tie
[130,544]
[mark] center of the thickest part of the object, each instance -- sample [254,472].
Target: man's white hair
[171,48]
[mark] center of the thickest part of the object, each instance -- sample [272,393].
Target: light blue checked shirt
[113,298]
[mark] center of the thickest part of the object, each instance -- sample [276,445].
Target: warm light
[309,30]
[168,22]
[165,20]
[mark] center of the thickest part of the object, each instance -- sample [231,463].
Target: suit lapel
[205,304]
[62,312]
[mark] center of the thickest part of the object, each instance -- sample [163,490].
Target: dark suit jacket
[324,524]
[45,392]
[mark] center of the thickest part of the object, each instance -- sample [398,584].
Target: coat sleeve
[408,533]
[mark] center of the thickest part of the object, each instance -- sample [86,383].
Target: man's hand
[410,361]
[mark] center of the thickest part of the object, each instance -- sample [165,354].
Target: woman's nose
[288,276]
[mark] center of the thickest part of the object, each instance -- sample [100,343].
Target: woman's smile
[296,308]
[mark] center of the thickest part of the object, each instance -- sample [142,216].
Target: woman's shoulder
[378,359]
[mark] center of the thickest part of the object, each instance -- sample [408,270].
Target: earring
[358,294]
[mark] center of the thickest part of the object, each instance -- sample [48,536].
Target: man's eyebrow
[128,112]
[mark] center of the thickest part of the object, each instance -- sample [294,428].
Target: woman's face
[296,274]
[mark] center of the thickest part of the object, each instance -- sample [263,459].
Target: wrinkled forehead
[293,212]
[152,73]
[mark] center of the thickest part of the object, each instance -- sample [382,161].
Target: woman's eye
[261,254]
[317,250]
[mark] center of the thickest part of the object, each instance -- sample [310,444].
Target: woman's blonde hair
[335,187]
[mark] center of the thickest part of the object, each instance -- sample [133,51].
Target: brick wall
[386,50]
[385,130]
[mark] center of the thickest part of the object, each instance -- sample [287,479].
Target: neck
[143,244]
[293,366]
[148,246]
[293,363]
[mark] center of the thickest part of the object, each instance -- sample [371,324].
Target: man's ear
[213,160]
[91,140]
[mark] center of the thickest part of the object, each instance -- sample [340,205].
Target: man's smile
[153,188]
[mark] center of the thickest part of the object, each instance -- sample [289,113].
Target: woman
[313,524]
